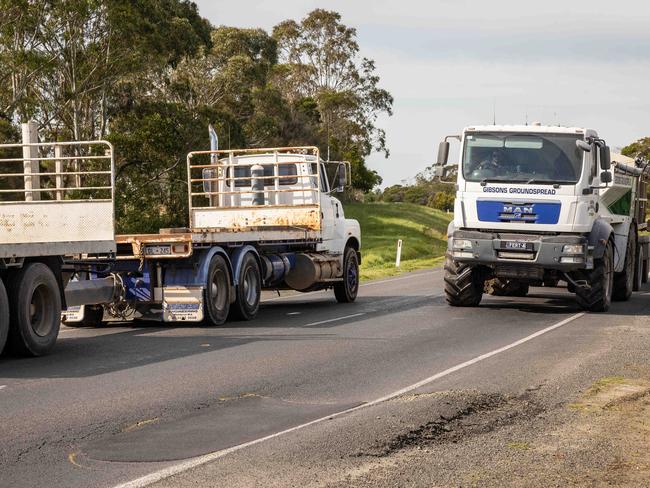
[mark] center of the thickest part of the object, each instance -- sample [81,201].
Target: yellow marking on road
[72,457]
[140,424]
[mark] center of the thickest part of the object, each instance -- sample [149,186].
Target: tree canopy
[150,75]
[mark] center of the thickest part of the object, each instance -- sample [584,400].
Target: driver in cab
[489,166]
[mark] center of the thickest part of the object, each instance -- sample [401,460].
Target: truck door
[333,217]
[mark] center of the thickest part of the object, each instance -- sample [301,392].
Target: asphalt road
[243,404]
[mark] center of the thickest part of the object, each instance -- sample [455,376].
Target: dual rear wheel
[32,309]
[217,294]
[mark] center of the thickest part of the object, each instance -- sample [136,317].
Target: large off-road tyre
[624,281]
[463,284]
[93,317]
[249,289]
[502,287]
[4,316]
[216,296]
[35,310]
[598,296]
[346,291]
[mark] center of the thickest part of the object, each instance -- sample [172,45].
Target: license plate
[158,250]
[517,245]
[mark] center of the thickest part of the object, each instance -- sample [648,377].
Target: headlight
[462,244]
[574,249]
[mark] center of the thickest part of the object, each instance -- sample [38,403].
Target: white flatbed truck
[537,204]
[259,219]
[56,204]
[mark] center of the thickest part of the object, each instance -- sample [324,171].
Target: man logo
[518,210]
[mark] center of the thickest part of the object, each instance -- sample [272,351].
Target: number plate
[158,250]
[517,245]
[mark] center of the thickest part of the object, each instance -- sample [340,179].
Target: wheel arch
[354,243]
[237,259]
[600,234]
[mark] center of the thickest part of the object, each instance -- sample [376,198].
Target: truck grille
[532,273]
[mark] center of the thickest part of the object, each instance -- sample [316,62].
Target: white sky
[448,62]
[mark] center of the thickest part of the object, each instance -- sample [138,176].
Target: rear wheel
[624,281]
[638,269]
[463,284]
[35,310]
[4,316]
[346,291]
[597,295]
[216,297]
[249,289]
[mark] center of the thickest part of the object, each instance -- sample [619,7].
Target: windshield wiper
[555,183]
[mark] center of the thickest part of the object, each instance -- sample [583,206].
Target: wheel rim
[352,275]
[217,284]
[250,287]
[40,309]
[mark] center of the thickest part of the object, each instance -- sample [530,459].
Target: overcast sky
[449,62]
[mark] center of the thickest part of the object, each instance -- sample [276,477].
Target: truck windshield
[522,158]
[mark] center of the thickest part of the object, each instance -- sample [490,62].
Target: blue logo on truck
[519,212]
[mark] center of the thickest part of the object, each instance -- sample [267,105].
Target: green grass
[423,231]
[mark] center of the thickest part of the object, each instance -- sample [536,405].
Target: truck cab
[535,204]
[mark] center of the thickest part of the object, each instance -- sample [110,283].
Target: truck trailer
[56,202]
[539,204]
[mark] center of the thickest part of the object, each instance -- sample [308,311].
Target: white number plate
[157,250]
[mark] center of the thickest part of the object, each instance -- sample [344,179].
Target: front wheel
[463,284]
[216,297]
[596,296]
[35,310]
[346,291]
[4,316]
[249,289]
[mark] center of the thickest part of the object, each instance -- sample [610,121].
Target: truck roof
[551,129]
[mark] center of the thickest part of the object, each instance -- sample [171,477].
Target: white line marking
[334,320]
[198,461]
[3,387]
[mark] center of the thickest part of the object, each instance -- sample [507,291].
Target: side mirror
[584,145]
[342,177]
[605,158]
[606,177]
[443,153]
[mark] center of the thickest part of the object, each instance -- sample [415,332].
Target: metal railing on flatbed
[56,198]
[243,190]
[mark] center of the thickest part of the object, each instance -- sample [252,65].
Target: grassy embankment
[422,229]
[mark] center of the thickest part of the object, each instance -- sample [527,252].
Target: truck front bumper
[529,252]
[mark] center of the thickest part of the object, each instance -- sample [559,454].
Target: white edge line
[335,320]
[2,387]
[198,461]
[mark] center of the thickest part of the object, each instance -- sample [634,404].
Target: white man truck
[263,218]
[539,204]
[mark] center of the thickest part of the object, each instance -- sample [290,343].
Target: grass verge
[423,231]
